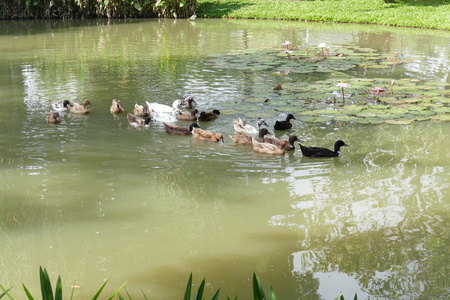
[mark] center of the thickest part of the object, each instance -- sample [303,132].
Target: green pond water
[92,198]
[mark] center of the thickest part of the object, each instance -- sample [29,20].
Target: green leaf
[100,290]
[187,293]
[137,6]
[27,292]
[216,295]
[58,289]
[258,292]
[113,295]
[46,286]
[272,294]
[199,295]
[143,294]
[5,292]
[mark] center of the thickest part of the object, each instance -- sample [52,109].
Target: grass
[433,14]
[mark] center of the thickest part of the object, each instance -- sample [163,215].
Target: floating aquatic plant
[377,91]
[322,45]
[288,44]
[342,85]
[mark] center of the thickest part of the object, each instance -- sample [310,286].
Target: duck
[136,121]
[140,111]
[206,135]
[323,152]
[60,107]
[180,130]
[162,108]
[188,116]
[242,127]
[287,145]
[80,108]
[188,102]
[208,116]
[165,117]
[266,148]
[283,125]
[53,117]
[246,139]
[116,107]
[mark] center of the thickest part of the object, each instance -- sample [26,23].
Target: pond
[93,198]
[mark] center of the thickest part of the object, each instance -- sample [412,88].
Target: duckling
[136,121]
[161,108]
[242,127]
[246,139]
[206,135]
[266,148]
[208,116]
[188,116]
[60,107]
[116,107]
[180,130]
[80,108]
[53,117]
[283,125]
[287,145]
[323,152]
[140,111]
[188,102]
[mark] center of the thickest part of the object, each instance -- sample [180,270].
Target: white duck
[242,127]
[60,107]
[162,108]
[165,117]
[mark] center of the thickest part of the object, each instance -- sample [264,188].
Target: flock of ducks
[259,138]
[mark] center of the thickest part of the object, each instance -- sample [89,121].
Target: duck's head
[193,125]
[292,139]
[290,117]
[263,132]
[219,137]
[190,100]
[339,144]
[262,122]
[194,111]
[148,120]
[176,103]
[87,102]
[67,102]
[216,112]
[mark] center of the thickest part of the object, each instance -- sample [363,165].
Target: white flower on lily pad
[287,43]
[342,85]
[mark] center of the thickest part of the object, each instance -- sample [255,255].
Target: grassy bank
[406,13]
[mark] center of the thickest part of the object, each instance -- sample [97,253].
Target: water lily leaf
[400,121]
[441,117]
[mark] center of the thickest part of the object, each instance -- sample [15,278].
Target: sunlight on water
[93,198]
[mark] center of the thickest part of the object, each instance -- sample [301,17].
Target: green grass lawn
[406,13]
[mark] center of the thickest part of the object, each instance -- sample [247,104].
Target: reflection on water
[95,197]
